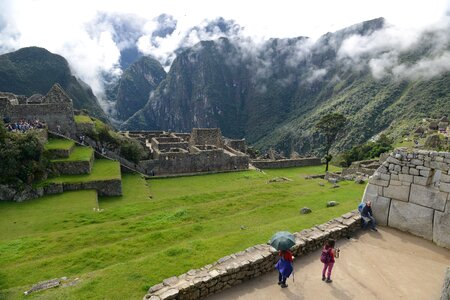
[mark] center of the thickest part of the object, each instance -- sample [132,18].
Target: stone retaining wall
[59,153]
[410,191]
[252,262]
[285,163]
[73,167]
[112,187]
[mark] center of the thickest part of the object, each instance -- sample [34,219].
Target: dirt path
[388,264]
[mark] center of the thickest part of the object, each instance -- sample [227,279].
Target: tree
[330,126]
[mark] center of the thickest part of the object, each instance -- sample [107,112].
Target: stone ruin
[202,150]
[55,109]
[410,191]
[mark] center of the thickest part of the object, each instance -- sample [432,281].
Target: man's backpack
[361,207]
[326,256]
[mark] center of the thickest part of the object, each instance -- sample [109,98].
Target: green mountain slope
[34,70]
[274,94]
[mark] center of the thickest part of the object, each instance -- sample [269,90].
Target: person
[327,258]
[284,267]
[367,217]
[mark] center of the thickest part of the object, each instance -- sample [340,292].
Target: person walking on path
[327,258]
[284,267]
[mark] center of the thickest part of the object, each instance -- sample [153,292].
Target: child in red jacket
[327,258]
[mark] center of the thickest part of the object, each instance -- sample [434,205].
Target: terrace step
[80,161]
[59,148]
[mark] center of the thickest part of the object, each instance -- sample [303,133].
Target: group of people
[285,263]
[329,252]
[23,125]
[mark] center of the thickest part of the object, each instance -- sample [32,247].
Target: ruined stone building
[55,109]
[202,150]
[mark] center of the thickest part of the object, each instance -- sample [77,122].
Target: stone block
[428,196]
[422,180]
[384,176]
[371,192]
[399,192]
[378,182]
[417,162]
[380,209]
[445,178]
[392,160]
[439,165]
[406,178]
[441,229]
[413,171]
[444,187]
[412,218]
[425,173]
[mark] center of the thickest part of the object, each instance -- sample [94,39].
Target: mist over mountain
[274,92]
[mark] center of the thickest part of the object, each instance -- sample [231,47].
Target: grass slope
[137,241]
[53,144]
[78,154]
[103,169]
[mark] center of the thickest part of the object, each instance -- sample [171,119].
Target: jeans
[281,278]
[369,220]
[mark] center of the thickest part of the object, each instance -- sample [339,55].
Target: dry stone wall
[285,163]
[252,262]
[410,191]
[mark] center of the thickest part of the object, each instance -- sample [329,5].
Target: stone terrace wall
[410,191]
[254,261]
[285,163]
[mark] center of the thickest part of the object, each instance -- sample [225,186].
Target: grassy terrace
[103,169]
[83,119]
[137,241]
[78,153]
[53,144]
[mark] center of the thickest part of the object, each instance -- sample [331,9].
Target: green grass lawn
[78,153]
[59,144]
[137,241]
[83,119]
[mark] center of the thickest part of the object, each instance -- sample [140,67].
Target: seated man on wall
[367,218]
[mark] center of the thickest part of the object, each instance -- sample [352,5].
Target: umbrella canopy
[282,240]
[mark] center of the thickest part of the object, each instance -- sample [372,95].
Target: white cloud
[73,28]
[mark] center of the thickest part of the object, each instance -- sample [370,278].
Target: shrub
[131,150]
[367,151]
[21,156]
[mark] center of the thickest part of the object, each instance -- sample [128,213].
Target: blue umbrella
[282,240]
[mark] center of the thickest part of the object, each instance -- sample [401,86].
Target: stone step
[59,148]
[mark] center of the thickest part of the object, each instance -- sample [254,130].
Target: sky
[80,30]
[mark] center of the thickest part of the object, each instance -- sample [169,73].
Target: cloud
[385,51]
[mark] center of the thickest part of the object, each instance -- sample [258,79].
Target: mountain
[34,70]
[204,88]
[132,90]
[274,94]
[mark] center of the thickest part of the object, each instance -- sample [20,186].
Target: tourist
[327,258]
[367,218]
[284,267]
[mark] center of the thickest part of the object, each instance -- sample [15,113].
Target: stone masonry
[410,191]
[252,262]
[55,108]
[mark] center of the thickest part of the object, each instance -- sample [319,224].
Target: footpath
[388,264]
